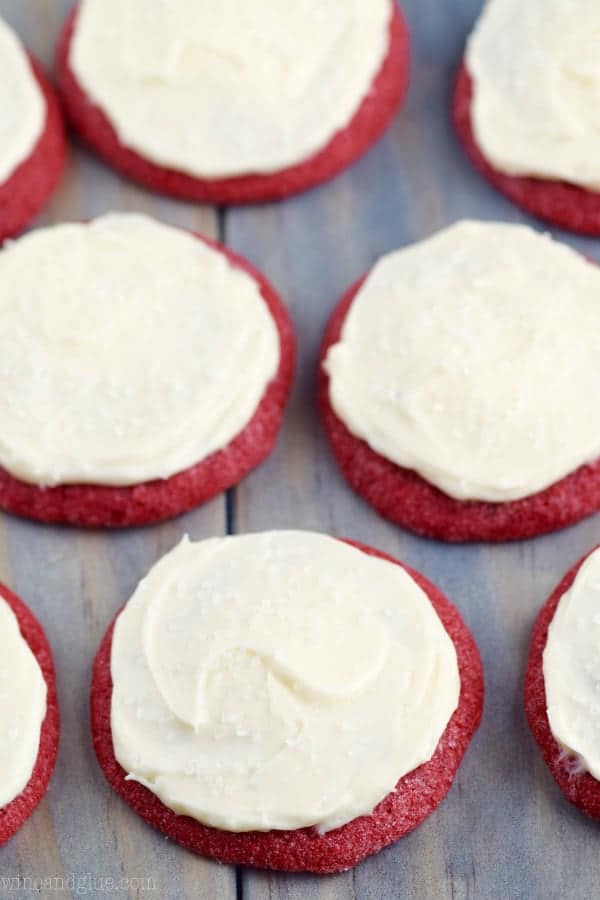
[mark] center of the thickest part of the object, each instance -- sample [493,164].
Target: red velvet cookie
[579,787]
[18,810]
[305,850]
[558,202]
[91,505]
[28,188]
[367,125]
[404,497]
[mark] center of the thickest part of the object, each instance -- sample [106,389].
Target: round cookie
[14,814]
[103,505]
[416,795]
[578,786]
[366,126]
[557,202]
[406,498]
[30,185]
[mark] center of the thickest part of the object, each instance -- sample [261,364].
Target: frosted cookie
[526,107]
[561,684]
[459,384]
[258,702]
[29,718]
[231,102]
[143,370]
[32,139]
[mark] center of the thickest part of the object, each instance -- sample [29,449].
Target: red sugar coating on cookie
[18,810]
[305,850]
[558,202]
[579,787]
[28,188]
[368,124]
[404,497]
[93,506]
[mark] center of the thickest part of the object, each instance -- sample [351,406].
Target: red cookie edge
[18,810]
[304,850]
[407,499]
[93,506]
[580,788]
[31,184]
[368,124]
[558,202]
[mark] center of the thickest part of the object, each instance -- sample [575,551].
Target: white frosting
[129,350]
[572,667]
[228,88]
[22,106]
[278,680]
[474,358]
[22,707]
[536,76]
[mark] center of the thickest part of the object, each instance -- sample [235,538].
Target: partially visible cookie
[365,62]
[525,109]
[32,137]
[168,378]
[293,680]
[29,712]
[562,712]
[558,202]
[462,376]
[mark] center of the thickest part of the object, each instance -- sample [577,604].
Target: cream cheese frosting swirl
[22,106]
[536,88]
[129,350]
[473,358]
[22,707]
[278,680]
[218,89]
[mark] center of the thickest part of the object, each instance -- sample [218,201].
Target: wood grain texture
[504,830]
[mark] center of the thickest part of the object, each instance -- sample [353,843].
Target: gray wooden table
[504,830]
